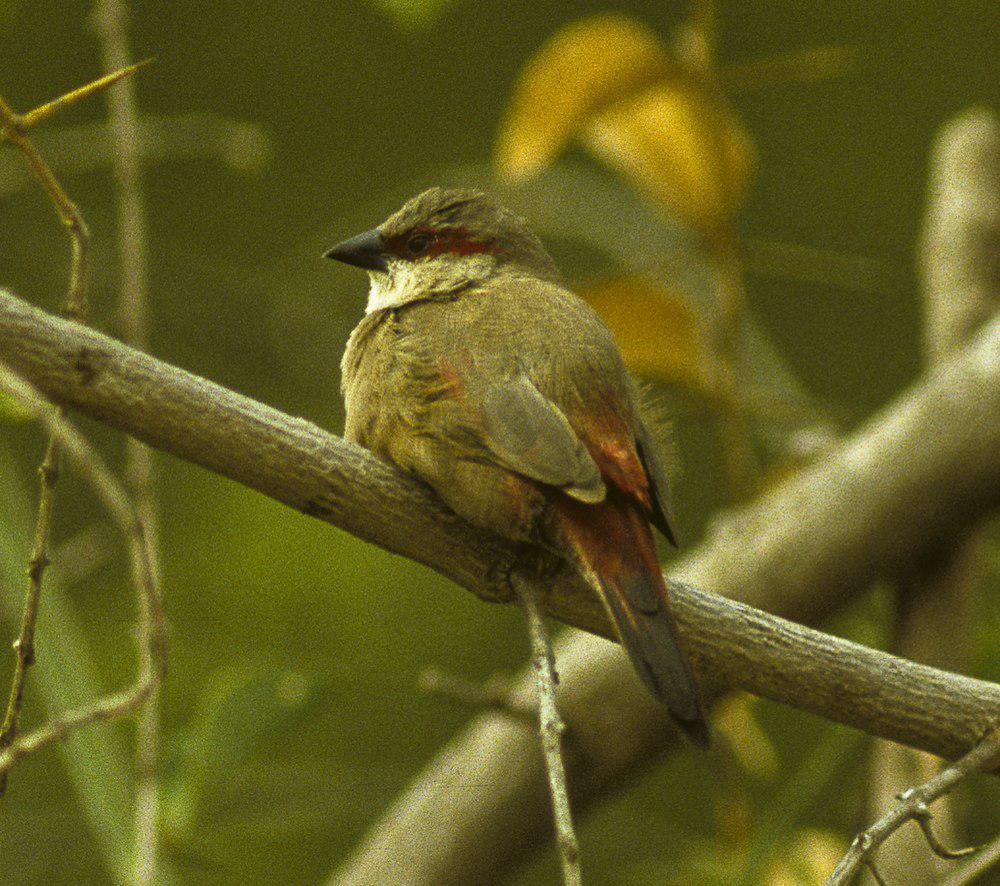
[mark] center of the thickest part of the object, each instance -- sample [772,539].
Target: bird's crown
[448,222]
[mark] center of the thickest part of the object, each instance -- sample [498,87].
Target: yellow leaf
[810,856]
[655,330]
[609,81]
[687,150]
[582,68]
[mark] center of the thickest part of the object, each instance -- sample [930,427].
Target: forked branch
[914,805]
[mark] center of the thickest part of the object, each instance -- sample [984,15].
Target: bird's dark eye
[417,244]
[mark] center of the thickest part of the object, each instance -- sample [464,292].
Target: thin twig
[12,129]
[976,866]
[152,623]
[495,694]
[914,804]
[551,727]
[43,112]
[109,18]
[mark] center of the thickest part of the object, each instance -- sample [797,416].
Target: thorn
[923,816]
[43,112]
[36,566]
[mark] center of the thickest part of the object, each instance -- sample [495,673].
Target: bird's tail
[613,546]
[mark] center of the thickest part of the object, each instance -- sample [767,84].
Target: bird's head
[442,242]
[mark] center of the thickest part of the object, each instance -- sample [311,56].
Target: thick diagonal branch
[912,476]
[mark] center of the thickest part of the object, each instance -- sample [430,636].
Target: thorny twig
[914,804]
[13,129]
[551,727]
[979,864]
[152,624]
[109,18]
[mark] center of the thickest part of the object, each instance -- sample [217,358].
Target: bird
[478,371]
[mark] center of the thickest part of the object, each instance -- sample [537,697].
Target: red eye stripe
[453,241]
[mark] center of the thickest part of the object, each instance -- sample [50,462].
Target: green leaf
[238,711]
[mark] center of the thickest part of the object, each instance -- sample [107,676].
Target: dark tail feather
[650,638]
[614,546]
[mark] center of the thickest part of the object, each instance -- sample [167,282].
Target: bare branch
[12,129]
[551,728]
[868,509]
[865,510]
[913,804]
[109,18]
[152,624]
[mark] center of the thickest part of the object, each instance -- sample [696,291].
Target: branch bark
[961,290]
[918,474]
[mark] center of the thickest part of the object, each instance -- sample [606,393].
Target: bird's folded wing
[530,435]
[662,512]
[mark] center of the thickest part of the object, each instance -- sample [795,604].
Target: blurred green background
[291,712]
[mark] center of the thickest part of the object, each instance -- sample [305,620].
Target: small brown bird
[475,369]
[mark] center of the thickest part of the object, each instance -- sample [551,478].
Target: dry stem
[913,804]
[551,727]
[152,624]
[12,129]
[109,18]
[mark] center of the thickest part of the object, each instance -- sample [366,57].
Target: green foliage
[237,712]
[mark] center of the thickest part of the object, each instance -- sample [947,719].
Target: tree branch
[863,512]
[919,473]
[913,804]
[110,20]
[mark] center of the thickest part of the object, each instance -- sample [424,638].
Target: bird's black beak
[366,251]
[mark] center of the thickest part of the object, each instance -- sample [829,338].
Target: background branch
[109,19]
[960,292]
